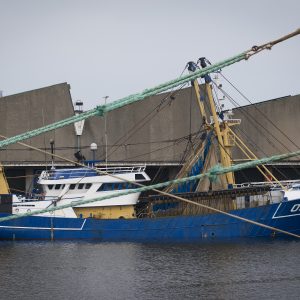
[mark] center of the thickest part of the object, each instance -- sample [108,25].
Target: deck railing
[86,172]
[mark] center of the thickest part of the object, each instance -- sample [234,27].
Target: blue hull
[285,215]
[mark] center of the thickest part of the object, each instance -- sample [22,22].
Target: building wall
[33,109]
[271,127]
[154,131]
[146,131]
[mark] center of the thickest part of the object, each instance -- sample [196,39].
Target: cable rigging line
[255,122]
[156,150]
[102,109]
[250,118]
[144,120]
[189,140]
[215,171]
[261,112]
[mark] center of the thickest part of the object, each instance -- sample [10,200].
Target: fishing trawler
[201,203]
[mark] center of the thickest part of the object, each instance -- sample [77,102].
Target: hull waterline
[285,216]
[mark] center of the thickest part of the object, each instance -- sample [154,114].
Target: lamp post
[94,148]
[52,153]
[105,132]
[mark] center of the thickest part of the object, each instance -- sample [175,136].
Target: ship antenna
[105,132]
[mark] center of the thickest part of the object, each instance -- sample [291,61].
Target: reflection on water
[247,269]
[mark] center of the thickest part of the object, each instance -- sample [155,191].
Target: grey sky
[120,47]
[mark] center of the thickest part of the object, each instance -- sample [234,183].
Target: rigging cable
[156,150]
[144,121]
[261,112]
[158,108]
[252,121]
[189,140]
[213,172]
[255,123]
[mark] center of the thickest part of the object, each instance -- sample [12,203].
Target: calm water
[76,270]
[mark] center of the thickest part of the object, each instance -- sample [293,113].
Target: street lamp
[52,153]
[94,148]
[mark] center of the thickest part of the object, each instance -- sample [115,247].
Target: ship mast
[192,67]
[223,133]
[225,136]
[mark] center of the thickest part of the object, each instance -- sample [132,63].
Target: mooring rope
[102,109]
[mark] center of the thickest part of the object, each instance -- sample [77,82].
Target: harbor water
[247,269]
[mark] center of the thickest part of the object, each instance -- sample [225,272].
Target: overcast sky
[117,48]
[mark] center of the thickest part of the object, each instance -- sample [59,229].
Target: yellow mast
[4,188]
[227,138]
[192,68]
[200,103]
[222,136]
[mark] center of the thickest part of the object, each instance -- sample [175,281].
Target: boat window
[115,186]
[88,185]
[62,186]
[50,186]
[121,186]
[131,186]
[80,186]
[106,187]
[57,186]
[139,176]
[102,187]
[72,186]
